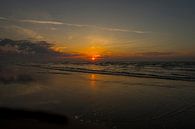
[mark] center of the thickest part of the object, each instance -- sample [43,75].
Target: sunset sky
[104,28]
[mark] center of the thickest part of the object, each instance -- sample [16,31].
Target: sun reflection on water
[93,78]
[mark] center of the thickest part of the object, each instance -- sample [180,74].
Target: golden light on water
[93,78]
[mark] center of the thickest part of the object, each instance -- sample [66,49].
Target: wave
[184,71]
[132,73]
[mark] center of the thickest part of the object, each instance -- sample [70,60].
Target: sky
[104,28]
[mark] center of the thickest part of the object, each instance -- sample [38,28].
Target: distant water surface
[162,70]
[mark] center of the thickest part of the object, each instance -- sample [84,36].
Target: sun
[93,58]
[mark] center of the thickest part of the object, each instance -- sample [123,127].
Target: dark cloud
[31,51]
[25,50]
[25,47]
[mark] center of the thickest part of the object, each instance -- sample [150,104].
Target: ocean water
[162,70]
[130,95]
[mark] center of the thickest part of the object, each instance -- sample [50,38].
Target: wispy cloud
[84,25]
[18,32]
[54,23]
[121,30]
[77,25]
[141,32]
[42,22]
[3,18]
[27,32]
[113,29]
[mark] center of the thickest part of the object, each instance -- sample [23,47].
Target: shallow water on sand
[114,101]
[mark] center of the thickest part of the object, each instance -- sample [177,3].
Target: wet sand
[105,100]
[30,119]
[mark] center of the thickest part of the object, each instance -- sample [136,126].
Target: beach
[111,101]
[97,64]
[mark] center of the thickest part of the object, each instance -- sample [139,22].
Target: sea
[116,95]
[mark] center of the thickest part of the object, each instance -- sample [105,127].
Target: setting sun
[93,58]
[91,64]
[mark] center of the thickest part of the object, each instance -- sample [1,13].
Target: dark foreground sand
[93,101]
[26,119]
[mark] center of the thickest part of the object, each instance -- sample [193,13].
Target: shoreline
[139,75]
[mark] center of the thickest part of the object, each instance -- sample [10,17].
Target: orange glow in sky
[93,58]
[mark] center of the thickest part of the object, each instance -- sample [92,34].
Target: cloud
[42,22]
[25,47]
[31,51]
[77,25]
[141,32]
[83,25]
[29,33]
[54,23]
[9,49]
[3,18]
[18,32]
[113,29]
